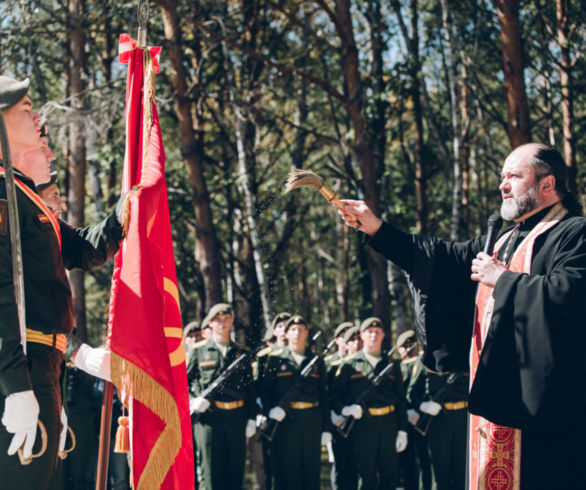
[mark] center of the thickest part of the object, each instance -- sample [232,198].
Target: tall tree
[519,128]
[191,128]
[76,157]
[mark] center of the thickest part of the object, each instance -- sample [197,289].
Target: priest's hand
[358,215]
[487,269]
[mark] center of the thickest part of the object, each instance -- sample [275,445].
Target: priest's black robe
[532,370]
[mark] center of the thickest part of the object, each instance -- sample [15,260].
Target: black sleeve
[90,247]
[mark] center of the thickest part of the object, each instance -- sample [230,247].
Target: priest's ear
[547,184]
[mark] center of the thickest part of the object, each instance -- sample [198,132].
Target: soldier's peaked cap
[11,91]
[371,322]
[217,309]
[350,333]
[406,336]
[295,320]
[343,327]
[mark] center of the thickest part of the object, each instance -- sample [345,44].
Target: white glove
[93,361]
[412,416]
[431,408]
[336,419]
[199,404]
[401,441]
[21,413]
[250,428]
[63,435]
[353,410]
[326,438]
[277,413]
[260,419]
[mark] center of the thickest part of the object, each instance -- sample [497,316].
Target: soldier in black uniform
[296,445]
[226,421]
[380,429]
[343,475]
[414,460]
[30,385]
[446,436]
[259,450]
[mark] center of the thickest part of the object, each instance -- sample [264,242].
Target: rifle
[422,425]
[218,384]
[348,420]
[267,427]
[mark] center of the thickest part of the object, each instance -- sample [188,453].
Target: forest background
[411,105]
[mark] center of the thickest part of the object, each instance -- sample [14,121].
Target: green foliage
[275,51]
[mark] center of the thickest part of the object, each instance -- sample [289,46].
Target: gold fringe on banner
[134,382]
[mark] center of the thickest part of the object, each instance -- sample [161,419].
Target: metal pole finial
[142,14]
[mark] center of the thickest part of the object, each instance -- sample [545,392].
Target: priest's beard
[514,208]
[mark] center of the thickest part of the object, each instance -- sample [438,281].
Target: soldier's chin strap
[17,268]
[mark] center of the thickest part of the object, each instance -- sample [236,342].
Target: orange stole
[495,450]
[34,197]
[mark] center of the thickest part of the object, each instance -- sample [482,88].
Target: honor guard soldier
[443,400]
[343,474]
[303,425]
[381,419]
[414,461]
[259,450]
[30,385]
[224,422]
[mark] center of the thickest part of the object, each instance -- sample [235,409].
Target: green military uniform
[220,431]
[49,311]
[446,436]
[415,459]
[295,449]
[374,434]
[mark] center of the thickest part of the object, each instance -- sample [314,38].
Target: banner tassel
[122,436]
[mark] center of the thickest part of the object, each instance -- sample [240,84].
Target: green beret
[217,309]
[11,91]
[340,329]
[42,187]
[190,327]
[371,322]
[350,333]
[406,336]
[279,317]
[295,320]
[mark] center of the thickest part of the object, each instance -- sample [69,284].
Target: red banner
[145,329]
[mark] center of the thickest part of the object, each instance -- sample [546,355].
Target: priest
[514,319]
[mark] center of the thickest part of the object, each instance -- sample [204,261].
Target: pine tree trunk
[76,158]
[518,127]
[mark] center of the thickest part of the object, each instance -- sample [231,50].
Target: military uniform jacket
[428,383]
[411,370]
[206,364]
[280,375]
[355,375]
[48,300]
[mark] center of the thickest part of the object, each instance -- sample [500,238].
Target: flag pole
[105,431]
[142,13]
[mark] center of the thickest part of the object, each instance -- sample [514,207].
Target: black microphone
[495,222]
